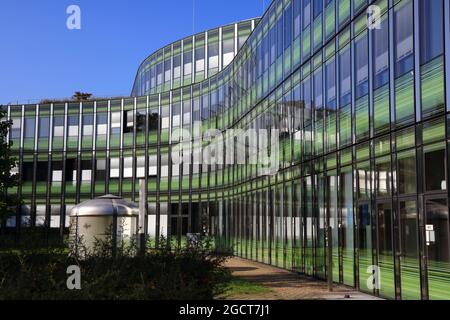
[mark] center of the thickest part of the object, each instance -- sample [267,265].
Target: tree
[8,179]
[81,96]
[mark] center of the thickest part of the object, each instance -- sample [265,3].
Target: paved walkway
[286,285]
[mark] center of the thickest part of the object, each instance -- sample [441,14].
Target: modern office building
[362,113]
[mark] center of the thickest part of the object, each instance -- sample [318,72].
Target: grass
[239,287]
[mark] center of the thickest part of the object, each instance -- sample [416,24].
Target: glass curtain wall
[362,131]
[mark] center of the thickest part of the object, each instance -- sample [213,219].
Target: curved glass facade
[192,59]
[356,115]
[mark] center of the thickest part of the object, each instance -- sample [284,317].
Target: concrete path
[286,285]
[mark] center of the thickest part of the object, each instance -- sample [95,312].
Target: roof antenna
[193,16]
[264,6]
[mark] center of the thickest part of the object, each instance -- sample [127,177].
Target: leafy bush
[160,273]
[8,178]
[33,239]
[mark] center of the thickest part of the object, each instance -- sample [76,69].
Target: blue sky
[40,58]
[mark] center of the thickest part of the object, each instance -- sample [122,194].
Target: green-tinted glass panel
[365,243]
[164,184]
[318,32]
[358,4]
[344,38]
[345,122]
[113,186]
[100,187]
[127,186]
[85,187]
[331,131]
[279,69]
[432,76]
[344,11]
[152,184]
[409,254]
[360,24]
[433,131]
[362,118]
[306,43]
[175,183]
[330,19]
[404,98]
[346,204]
[382,146]
[437,219]
[363,151]
[385,249]
[381,112]
[406,139]
[296,54]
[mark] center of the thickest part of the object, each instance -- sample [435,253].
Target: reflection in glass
[29,128]
[409,251]
[381,59]
[362,71]
[403,38]
[407,172]
[346,187]
[435,170]
[383,176]
[365,244]
[345,80]
[431,30]
[385,250]
[44,123]
[332,206]
[437,248]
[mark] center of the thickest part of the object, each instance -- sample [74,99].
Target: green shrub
[161,273]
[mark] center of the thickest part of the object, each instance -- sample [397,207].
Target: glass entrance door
[365,245]
[332,211]
[385,250]
[437,247]
[409,255]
